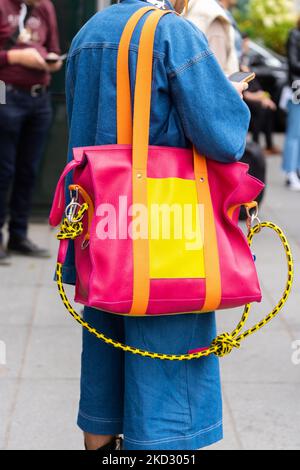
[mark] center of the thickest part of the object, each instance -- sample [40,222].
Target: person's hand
[268,103]
[240,87]
[28,57]
[244,68]
[54,66]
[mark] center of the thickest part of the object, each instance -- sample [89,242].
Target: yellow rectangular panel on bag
[175,234]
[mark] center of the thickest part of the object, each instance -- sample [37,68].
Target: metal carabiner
[253,218]
[75,197]
[71,211]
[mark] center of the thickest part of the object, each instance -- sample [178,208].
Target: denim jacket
[192,100]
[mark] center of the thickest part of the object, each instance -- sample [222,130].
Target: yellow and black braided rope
[71,230]
[225,342]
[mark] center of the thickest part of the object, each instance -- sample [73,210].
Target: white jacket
[204,13]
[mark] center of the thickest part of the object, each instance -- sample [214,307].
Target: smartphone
[51,60]
[240,77]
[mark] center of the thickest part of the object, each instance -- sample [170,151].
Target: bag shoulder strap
[124,108]
[140,132]
[139,135]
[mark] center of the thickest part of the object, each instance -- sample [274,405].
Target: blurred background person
[28,38]
[214,22]
[291,154]
[227,6]
[261,105]
[226,41]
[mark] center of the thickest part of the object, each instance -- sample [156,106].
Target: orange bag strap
[213,287]
[124,108]
[141,124]
[138,133]
[142,96]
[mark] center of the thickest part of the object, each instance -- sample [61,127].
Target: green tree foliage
[268,21]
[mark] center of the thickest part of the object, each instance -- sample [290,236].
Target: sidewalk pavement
[39,386]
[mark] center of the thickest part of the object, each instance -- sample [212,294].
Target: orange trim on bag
[247,205]
[251,205]
[213,293]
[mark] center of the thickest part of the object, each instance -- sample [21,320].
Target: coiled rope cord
[220,346]
[69,230]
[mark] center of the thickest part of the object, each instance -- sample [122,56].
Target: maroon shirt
[43,36]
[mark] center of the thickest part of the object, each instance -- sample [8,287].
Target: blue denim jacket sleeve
[214,117]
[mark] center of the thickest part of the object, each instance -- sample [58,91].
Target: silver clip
[76,196]
[252,218]
[71,211]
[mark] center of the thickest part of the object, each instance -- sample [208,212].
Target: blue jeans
[24,122]
[291,155]
[157,405]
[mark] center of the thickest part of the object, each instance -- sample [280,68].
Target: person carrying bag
[143,289]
